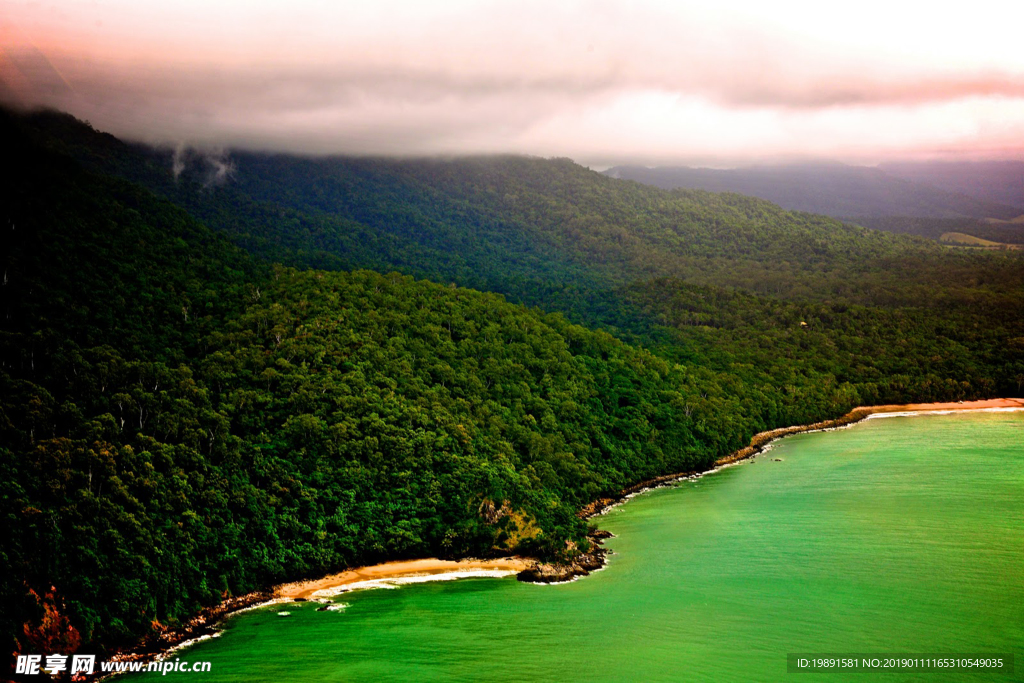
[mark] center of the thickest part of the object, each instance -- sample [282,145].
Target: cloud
[591,80]
[178,160]
[219,168]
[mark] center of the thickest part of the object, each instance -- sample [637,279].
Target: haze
[602,82]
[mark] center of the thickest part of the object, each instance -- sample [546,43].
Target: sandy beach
[372,575]
[950,406]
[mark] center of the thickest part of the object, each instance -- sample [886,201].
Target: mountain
[994,181]
[205,389]
[540,231]
[835,190]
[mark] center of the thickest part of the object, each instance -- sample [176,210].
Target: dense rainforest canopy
[221,373]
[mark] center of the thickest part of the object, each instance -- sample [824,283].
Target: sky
[601,82]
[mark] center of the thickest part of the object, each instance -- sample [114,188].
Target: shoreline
[597,557]
[762,439]
[388,574]
[759,441]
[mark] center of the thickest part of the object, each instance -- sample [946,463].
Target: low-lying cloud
[601,82]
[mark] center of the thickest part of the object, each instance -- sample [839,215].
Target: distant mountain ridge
[997,181]
[832,189]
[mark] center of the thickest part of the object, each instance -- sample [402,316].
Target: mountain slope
[539,231]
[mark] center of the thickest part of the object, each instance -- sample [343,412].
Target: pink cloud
[591,80]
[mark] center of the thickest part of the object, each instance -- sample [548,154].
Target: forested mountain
[994,181]
[543,232]
[237,374]
[834,189]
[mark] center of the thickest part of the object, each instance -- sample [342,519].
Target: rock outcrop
[580,565]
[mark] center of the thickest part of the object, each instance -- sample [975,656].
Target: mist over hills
[994,181]
[838,190]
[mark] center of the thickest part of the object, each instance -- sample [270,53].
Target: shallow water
[897,535]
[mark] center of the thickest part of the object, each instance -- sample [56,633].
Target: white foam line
[258,605]
[557,583]
[398,581]
[216,628]
[665,484]
[187,643]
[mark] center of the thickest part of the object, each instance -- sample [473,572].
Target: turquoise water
[897,535]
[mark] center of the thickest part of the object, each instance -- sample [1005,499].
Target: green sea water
[898,535]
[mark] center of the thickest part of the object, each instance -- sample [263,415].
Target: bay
[897,535]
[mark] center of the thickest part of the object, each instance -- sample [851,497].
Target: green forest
[220,373]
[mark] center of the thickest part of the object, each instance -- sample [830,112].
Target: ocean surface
[897,535]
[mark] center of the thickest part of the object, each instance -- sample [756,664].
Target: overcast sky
[601,82]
